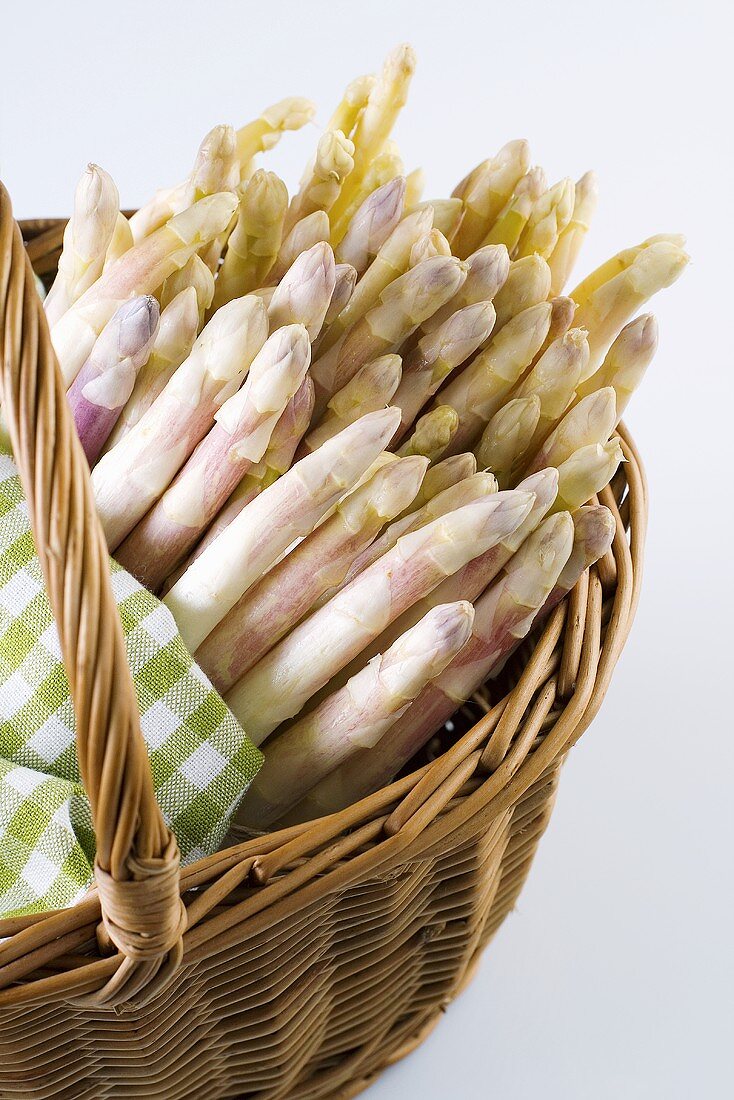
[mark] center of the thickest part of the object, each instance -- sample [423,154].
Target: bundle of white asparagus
[350,435]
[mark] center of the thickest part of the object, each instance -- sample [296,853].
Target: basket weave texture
[302,963]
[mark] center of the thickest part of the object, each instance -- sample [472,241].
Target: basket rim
[439,804]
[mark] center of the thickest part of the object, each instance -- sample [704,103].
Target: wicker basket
[302,963]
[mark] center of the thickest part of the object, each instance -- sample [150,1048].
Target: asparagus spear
[507,437]
[619,263]
[549,217]
[594,530]
[140,270]
[308,231]
[335,633]
[447,472]
[135,473]
[284,441]
[586,472]
[625,362]
[566,251]
[513,218]
[194,274]
[527,284]
[303,295]
[256,538]
[120,241]
[562,314]
[437,497]
[256,238]
[554,379]
[415,183]
[503,616]
[356,718]
[179,323]
[432,244]
[437,354]
[351,105]
[486,273]
[432,434]
[385,169]
[106,380]
[447,214]
[610,306]
[86,239]
[371,388]
[592,420]
[215,169]
[266,131]
[281,598]
[482,387]
[386,100]
[371,225]
[487,191]
[322,183]
[391,261]
[401,307]
[238,439]
[345,280]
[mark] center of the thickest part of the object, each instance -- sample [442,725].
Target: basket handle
[137,861]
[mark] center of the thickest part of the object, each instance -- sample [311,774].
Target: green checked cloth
[201,760]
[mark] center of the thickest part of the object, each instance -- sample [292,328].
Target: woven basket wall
[303,963]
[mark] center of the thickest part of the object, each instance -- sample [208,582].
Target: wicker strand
[134,847]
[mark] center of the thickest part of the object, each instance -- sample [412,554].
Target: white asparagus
[562,259]
[401,307]
[415,183]
[626,361]
[594,530]
[323,180]
[264,614]
[618,263]
[243,427]
[284,441]
[356,717]
[443,475]
[303,662]
[527,284]
[140,270]
[586,473]
[194,274]
[432,244]
[390,262]
[177,330]
[484,385]
[432,434]
[120,241]
[554,379]
[386,99]
[447,214]
[610,306]
[287,510]
[591,420]
[256,239]
[371,388]
[215,170]
[487,190]
[134,474]
[550,215]
[486,273]
[352,104]
[386,167]
[308,231]
[87,236]
[345,280]
[371,225]
[264,132]
[303,295]
[507,438]
[514,216]
[105,382]
[438,353]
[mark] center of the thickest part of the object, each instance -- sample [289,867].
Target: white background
[614,978]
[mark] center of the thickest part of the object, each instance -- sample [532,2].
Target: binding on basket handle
[137,862]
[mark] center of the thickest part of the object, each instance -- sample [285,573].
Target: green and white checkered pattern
[201,760]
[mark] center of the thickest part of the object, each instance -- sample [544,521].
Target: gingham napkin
[201,760]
